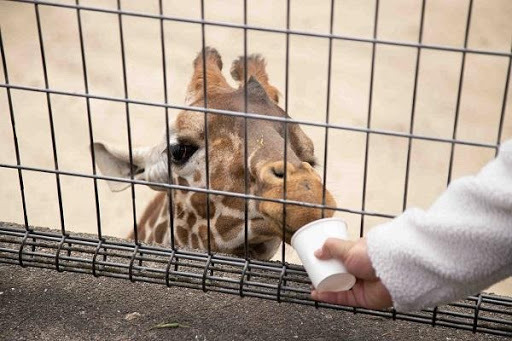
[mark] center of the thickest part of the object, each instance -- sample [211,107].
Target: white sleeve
[462,244]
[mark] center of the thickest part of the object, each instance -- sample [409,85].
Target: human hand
[368,291]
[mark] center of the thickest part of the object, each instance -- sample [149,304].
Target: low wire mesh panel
[385,111]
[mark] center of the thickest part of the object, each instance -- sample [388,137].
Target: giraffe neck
[153,226]
[227,232]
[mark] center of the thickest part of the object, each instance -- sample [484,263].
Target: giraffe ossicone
[226,150]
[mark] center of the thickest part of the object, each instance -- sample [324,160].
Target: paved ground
[38,304]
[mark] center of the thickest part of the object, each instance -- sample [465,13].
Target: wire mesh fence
[173,264]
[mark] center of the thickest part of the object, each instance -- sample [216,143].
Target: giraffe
[226,138]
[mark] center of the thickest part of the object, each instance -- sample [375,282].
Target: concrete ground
[37,304]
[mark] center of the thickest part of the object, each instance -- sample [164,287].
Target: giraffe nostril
[278,172]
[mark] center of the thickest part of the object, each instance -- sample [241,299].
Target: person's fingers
[354,255]
[335,248]
[366,294]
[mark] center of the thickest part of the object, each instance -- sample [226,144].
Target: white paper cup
[326,275]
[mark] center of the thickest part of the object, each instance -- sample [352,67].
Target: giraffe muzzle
[303,184]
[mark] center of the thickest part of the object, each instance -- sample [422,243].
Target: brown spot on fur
[183,182]
[198,201]
[197,176]
[149,216]
[235,173]
[159,232]
[191,220]
[223,143]
[237,169]
[233,203]
[203,234]
[152,210]
[195,241]
[218,179]
[182,234]
[227,227]
[224,147]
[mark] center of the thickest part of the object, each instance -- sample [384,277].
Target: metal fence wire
[170,265]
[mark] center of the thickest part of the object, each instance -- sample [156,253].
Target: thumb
[335,248]
[353,255]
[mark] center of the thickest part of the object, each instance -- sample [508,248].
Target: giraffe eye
[181,153]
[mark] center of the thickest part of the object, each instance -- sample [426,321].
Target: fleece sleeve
[459,246]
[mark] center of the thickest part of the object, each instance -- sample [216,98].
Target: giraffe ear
[115,162]
[255,90]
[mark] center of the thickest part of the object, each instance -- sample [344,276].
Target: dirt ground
[66,306]
[480,101]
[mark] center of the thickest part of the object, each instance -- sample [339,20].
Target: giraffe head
[223,142]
